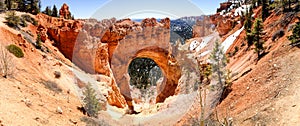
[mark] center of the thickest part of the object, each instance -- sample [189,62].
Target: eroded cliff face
[225,22]
[203,27]
[74,38]
[96,47]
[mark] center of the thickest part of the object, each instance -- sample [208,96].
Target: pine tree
[256,3]
[22,5]
[295,37]
[12,19]
[218,64]
[298,6]
[248,21]
[248,26]
[1,6]
[91,103]
[54,11]
[265,9]
[289,1]
[34,7]
[257,38]
[47,11]
[284,4]
[8,4]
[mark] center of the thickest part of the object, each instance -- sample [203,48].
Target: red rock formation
[64,12]
[72,39]
[223,24]
[122,42]
[42,31]
[202,27]
[128,40]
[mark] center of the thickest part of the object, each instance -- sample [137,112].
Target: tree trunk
[289,5]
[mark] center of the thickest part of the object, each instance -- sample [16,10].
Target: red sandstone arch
[127,40]
[162,58]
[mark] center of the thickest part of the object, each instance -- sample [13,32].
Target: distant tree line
[254,33]
[30,6]
[51,12]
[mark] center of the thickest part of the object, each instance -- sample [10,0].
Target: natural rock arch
[124,39]
[170,69]
[149,39]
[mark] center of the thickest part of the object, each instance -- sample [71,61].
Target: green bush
[38,42]
[12,20]
[30,19]
[278,34]
[23,23]
[17,51]
[91,103]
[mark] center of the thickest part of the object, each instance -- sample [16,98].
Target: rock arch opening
[145,75]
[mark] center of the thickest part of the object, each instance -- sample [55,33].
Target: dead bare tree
[6,63]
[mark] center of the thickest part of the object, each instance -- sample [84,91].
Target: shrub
[57,74]
[91,103]
[23,23]
[278,34]
[12,20]
[236,49]
[51,85]
[38,42]
[26,17]
[30,19]
[35,23]
[249,38]
[17,51]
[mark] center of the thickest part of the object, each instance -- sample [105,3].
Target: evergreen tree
[34,7]
[1,6]
[139,71]
[298,6]
[54,12]
[256,3]
[91,103]
[248,26]
[248,21]
[21,5]
[12,19]
[39,5]
[289,1]
[284,3]
[8,4]
[31,5]
[295,37]
[218,63]
[265,9]
[257,38]
[47,11]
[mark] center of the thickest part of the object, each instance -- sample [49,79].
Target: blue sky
[101,9]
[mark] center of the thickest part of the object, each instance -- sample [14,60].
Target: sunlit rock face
[78,41]
[64,12]
[111,50]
